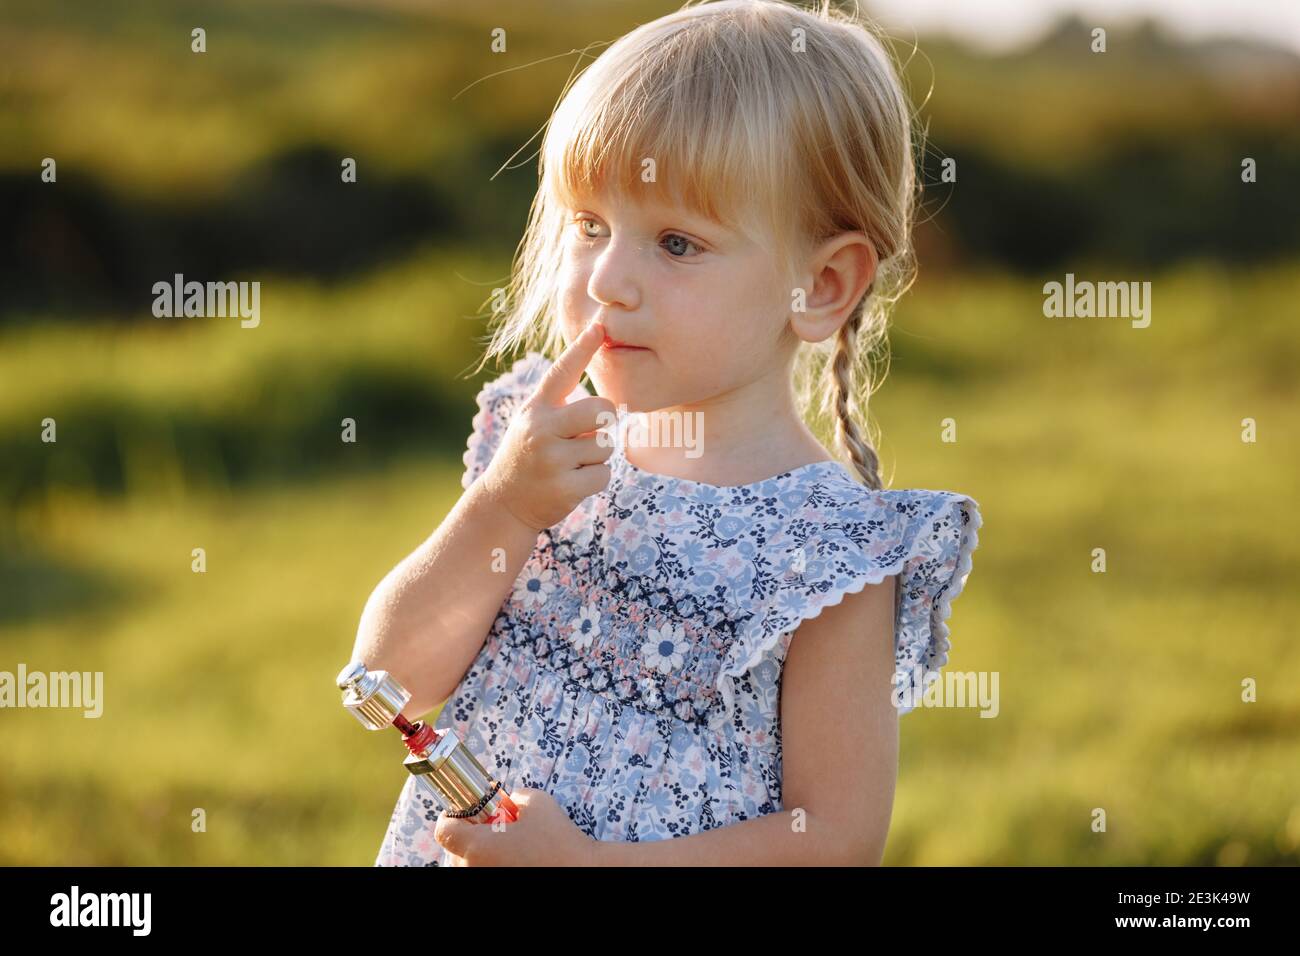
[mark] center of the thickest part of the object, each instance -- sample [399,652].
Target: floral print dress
[634,671]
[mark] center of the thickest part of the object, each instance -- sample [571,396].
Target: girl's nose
[613,280]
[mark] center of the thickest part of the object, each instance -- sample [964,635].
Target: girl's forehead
[647,199]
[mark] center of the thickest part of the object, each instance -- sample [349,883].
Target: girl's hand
[551,457]
[542,836]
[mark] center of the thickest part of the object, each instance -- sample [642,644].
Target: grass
[218,686]
[1120,691]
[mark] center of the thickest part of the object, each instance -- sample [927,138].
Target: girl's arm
[426,621]
[839,735]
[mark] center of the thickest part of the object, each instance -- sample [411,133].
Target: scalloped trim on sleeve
[926,537]
[497,401]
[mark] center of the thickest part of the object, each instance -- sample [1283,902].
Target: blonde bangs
[665,121]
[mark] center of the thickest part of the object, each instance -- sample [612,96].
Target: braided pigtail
[840,392]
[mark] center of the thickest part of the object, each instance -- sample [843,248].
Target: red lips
[611,343]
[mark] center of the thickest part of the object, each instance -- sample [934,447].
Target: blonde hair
[760,115]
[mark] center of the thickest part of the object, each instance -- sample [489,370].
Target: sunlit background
[1119,690]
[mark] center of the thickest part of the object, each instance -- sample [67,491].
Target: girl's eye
[674,241]
[582,225]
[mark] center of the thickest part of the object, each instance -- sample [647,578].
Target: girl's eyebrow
[689,219]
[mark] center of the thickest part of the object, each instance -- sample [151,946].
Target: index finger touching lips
[563,377]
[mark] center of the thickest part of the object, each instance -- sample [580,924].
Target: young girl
[688,655]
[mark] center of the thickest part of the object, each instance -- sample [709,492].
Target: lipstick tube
[439,760]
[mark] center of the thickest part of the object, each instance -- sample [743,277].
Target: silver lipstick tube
[459,781]
[439,760]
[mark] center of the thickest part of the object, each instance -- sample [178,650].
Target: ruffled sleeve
[497,402]
[853,539]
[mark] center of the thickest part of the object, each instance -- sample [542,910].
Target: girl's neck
[736,438]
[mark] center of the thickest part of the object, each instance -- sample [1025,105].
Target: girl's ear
[838,273]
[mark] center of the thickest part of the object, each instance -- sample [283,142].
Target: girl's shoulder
[840,536]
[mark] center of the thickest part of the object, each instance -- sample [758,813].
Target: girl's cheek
[572,297]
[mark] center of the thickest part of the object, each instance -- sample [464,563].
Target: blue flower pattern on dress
[634,670]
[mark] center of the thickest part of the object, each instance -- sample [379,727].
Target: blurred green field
[1119,691]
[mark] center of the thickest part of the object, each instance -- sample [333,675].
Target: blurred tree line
[228,163]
